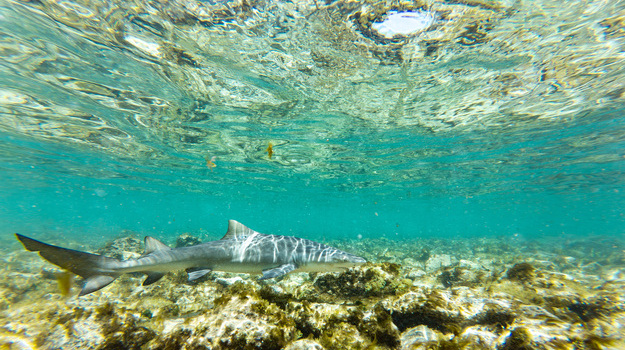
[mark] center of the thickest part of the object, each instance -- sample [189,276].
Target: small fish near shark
[241,250]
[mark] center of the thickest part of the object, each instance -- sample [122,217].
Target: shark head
[341,259]
[333,260]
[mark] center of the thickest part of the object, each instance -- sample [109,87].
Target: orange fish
[270,150]
[210,163]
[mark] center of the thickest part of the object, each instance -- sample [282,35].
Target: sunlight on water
[403,23]
[469,98]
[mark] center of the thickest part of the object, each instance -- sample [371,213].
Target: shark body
[241,250]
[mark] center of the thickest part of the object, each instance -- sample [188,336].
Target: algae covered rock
[419,337]
[186,240]
[304,344]
[367,281]
[240,320]
[435,262]
[522,272]
[488,303]
[431,310]
[123,248]
[459,276]
[519,339]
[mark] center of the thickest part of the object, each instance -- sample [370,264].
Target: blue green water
[108,113]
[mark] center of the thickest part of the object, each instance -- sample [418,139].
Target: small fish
[64,279]
[270,150]
[210,163]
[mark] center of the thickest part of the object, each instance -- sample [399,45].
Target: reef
[422,294]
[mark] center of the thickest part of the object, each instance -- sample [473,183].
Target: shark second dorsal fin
[236,230]
[153,244]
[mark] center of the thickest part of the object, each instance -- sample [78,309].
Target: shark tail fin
[85,265]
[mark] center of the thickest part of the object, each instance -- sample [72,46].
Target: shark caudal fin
[85,265]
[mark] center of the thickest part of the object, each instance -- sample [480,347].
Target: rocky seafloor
[482,293]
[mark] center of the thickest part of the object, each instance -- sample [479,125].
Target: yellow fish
[210,163]
[64,279]
[270,150]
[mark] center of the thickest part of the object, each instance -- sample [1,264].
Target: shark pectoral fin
[278,271]
[153,277]
[94,283]
[197,272]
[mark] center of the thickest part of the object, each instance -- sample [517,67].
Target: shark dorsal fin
[237,230]
[153,244]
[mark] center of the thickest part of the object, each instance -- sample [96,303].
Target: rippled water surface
[496,117]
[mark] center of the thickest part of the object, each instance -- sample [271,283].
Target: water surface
[500,118]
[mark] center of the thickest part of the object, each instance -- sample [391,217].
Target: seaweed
[588,310]
[450,277]
[519,339]
[523,272]
[426,313]
[499,318]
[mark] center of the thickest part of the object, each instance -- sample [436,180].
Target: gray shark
[241,250]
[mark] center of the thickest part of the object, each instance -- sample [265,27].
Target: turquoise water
[108,112]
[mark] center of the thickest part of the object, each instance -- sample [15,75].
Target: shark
[241,250]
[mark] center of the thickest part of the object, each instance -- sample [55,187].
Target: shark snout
[358,260]
[352,260]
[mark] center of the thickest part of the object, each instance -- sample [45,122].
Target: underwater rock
[480,336]
[304,344]
[186,240]
[431,310]
[122,248]
[228,281]
[374,306]
[415,273]
[435,262]
[417,338]
[241,321]
[459,276]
